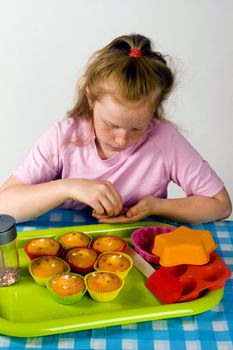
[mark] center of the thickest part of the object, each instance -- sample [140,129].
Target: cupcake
[109,243]
[117,262]
[66,288]
[45,267]
[103,285]
[81,260]
[74,239]
[42,246]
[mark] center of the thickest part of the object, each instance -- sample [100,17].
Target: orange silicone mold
[188,282]
[184,246]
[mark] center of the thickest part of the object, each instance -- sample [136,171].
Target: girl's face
[118,127]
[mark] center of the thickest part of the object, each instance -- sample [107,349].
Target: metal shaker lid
[7,229]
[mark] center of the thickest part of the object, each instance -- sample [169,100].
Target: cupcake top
[67,284]
[108,243]
[42,246]
[113,261]
[103,281]
[81,257]
[46,266]
[74,239]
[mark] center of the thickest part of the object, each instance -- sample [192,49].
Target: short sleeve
[42,163]
[189,170]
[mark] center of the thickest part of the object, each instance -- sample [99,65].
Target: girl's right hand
[101,195]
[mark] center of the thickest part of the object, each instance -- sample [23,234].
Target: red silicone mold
[143,241]
[187,282]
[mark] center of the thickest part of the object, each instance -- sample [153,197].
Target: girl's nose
[122,138]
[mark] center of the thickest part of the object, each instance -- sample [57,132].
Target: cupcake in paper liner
[45,267]
[74,239]
[66,288]
[103,286]
[117,262]
[109,244]
[42,246]
[81,260]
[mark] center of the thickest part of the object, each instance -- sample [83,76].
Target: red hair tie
[135,52]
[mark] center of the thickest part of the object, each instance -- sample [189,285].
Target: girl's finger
[111,203]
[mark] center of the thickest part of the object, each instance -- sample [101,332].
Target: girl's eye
[112,126]
[136,129]
[117,127]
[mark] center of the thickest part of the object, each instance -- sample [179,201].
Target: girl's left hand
[145,207]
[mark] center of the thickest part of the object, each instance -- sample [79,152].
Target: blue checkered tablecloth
[210,330]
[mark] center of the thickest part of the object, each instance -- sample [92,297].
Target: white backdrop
[45,44]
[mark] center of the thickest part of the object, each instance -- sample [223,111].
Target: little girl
[115,150]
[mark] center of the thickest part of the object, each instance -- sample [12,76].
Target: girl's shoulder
[166,136]
[72,125]
[74,130]
[162,130]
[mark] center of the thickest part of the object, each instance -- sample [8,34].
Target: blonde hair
[113,70]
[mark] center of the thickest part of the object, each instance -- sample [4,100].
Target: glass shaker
[9,260]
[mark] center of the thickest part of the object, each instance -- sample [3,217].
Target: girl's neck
[104,154]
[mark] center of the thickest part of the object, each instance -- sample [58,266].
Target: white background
[45,45]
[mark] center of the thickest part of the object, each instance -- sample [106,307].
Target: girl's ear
[89,99]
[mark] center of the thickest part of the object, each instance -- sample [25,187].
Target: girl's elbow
[227,210]
[224,204]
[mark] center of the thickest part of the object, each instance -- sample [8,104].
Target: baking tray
[27,310]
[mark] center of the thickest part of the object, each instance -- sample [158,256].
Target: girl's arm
[193,209]
[25,202]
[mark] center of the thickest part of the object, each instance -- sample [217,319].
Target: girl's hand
[145,207]
[101,195]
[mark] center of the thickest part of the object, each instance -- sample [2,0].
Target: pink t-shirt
[162,155]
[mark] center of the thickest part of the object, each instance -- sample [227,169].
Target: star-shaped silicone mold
[184,246]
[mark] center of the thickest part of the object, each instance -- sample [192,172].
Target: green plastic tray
[27,310]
